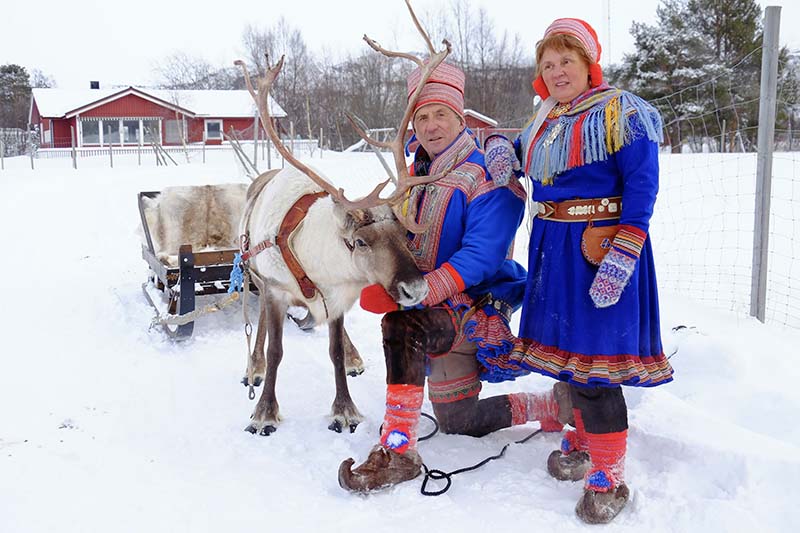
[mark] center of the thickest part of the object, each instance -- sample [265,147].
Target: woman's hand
[617,266]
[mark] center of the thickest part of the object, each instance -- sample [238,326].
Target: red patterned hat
[445,86]
[585,34]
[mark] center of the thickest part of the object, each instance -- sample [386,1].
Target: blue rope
[237,274]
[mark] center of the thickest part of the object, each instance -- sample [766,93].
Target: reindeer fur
[320,243]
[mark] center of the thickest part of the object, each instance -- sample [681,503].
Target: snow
[56,103]
[106,425]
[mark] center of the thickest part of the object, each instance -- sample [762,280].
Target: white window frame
[205,129]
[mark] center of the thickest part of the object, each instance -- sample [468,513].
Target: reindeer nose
[412,293]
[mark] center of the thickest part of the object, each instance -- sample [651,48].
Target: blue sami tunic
[472,221]
[562,333]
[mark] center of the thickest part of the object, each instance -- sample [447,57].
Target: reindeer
[334,247]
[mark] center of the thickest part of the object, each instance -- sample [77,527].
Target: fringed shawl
[597,124]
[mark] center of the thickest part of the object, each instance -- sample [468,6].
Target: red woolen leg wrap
[575,440]
[608,460]
[403,406]
[541,407]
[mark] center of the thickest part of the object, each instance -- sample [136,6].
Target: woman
[591,321]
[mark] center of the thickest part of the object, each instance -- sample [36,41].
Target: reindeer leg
[353,364]
[256,364]
[343,412]
[266,416]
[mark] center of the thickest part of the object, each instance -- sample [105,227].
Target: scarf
[598,123]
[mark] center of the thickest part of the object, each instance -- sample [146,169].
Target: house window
[213,130]
[90,132]
[110,132]
[152,132]
[173,130]
[130,131]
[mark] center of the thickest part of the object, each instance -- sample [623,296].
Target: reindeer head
[378,248]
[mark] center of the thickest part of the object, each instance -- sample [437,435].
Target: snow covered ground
[107,426]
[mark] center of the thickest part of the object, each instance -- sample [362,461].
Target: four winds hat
[445,86]
[585,34]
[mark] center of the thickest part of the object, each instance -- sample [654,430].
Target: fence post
[2,154]
[722,137]
[766,141]
[72,146]
[204,147]
[255,140]
[320,143]
[291,136]
[110,152]
[269,152]
[30,151]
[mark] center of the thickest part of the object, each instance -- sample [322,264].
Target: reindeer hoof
[353,372]
[266,431]
[257,381]
[251,429]
[353,427]
[336,426]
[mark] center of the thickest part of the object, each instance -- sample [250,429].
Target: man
[461,331]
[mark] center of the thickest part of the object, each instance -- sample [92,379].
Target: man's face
[436,127]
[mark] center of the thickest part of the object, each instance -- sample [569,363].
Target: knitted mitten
[501,161]
[617,266]
[375,299]
[403,406]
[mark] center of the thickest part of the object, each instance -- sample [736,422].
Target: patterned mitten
[500,159]
[443,283]
[375,299]
[617,266]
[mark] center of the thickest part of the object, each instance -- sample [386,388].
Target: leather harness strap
[291,220]
[293,217]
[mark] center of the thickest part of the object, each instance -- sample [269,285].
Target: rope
[179,320]
[435,474]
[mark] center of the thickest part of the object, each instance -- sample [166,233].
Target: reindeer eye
[360,243]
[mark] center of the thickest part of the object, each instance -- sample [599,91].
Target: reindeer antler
[404,180]
[260,96]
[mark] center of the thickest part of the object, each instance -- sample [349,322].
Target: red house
[131,116]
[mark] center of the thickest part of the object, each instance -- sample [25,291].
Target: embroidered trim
[455,389]
[642,371]
[630,241]
[598,124]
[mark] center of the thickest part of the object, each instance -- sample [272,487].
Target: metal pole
[320,143]
[30,150]
[269,153]
[2,154]
[722,137]
[766,141]
[204,147]
[291,136]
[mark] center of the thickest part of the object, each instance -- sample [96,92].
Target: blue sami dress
[605,143]
[472,221]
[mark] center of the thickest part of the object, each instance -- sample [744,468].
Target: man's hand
[501,161]
[375,299]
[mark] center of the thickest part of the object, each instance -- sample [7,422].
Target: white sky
[75,42]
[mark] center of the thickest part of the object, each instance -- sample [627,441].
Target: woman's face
[565,73]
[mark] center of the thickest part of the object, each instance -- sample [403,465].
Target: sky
[75,42]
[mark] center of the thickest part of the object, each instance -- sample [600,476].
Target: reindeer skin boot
[572,461]
[395,459]
[604,493]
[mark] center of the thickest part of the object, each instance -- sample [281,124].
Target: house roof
[65,103]
[492,122]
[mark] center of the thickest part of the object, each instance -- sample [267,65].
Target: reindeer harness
[290,221]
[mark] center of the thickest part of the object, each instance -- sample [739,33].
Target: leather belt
[582,209]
